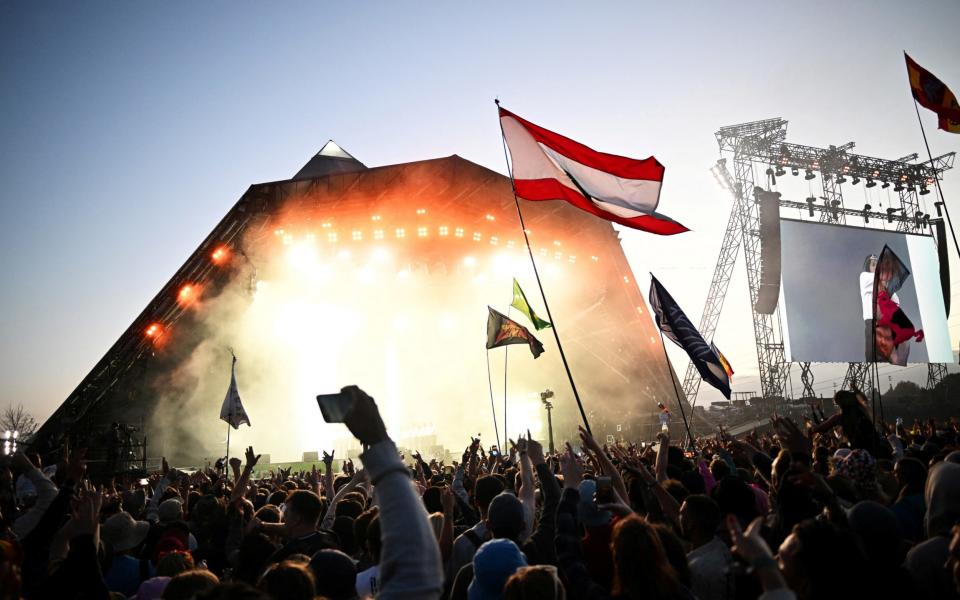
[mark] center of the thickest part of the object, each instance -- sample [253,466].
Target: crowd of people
[838,507]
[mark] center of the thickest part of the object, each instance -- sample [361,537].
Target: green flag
[520,303]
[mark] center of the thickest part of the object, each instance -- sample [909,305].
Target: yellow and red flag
[933,94]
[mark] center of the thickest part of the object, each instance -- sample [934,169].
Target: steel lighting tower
[762,144]
[545,398]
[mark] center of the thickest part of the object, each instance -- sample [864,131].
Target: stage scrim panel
[824,287]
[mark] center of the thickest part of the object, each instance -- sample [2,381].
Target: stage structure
[760,155]
[381,277]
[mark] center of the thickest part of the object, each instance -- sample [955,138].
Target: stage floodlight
[810,202]
[795,171]
[866,213]
[780,172]
[841,179]
[885,185]
[220,255]
[871,183]
[855,181]
[809,175]
[898,187]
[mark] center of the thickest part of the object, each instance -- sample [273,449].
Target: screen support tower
[762,144]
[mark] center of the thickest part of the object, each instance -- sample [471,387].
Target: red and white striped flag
[548,166]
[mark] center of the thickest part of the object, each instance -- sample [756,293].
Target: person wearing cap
[493,564]
[122,534]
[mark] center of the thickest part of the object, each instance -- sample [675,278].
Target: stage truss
[761,144]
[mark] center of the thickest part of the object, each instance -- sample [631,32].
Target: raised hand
[251,458]
[534,451]
[364,420]
[328,458]
[571,469]
[447,500]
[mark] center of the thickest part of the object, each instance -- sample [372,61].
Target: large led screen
[825,293]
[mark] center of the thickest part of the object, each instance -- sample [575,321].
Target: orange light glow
[188,294]
[220,255]
[154,331]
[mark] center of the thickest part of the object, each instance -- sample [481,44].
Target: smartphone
[604,493]
[334,407]
[144,482]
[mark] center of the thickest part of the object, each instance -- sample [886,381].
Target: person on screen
[894,329]
[866,297]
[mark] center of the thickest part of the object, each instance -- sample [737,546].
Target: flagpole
[228,449]
[496,428]
[505,350]
[936,179]
[546,305]
[675,389]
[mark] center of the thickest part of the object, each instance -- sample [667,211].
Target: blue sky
[128,129]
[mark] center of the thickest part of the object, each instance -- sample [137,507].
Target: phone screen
[334,407]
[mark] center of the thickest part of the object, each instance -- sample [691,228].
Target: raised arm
[410,565]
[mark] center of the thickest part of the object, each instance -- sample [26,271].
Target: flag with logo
[892,328]
[548,166]
[520,303]
[503,331]
[677,327]
[232,409]
[933,94]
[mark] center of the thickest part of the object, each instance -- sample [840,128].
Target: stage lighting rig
[923,190]
[891,212]
[855,181]
[937,205]
[885,185]
[866,213]
[871,183]
[809,175]
[810,202]
[795,171]
[841,179]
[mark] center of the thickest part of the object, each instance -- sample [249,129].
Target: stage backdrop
[822,299]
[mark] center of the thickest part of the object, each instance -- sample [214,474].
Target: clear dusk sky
[128,129]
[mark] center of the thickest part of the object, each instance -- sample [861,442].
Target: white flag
[232,410]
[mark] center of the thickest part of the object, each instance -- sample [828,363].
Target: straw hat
[122,532]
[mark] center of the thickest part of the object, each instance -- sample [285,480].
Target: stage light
[809,175]
[937,205]
[278,232]
[421,232]
[332,236]
[375,218]
[923,190]
[558,255]
[769,171]
[378,234]
[220,255]
[595,258]
[855,181]
[186,295]
[810,202]
[153,331]
[841,179]
[871,183]
[794,171]
[477,236]
[626,279]
[543,251]
[421,211]
[885,185]
[490,218]
[866,213]
[556,243]
[327,225]
[469,261]
[494,240]
[890,213]
[287,239]
[510,244]
[572,259]
[356,235]
[898,187]
[443,231]
[780,172]
[458,232]
[401,233]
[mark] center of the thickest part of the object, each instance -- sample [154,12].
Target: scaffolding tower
[763,144]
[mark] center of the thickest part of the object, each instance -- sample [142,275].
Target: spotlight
[890,213]
[220,255]
[186,295]
[795,171]
[153,331]
[937,205]
[841,179]
[769,170]
[855,181]
[809,175]
[810,202]
[898,187]
[871,183]
[885,185]
[780,172]
[866,213]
